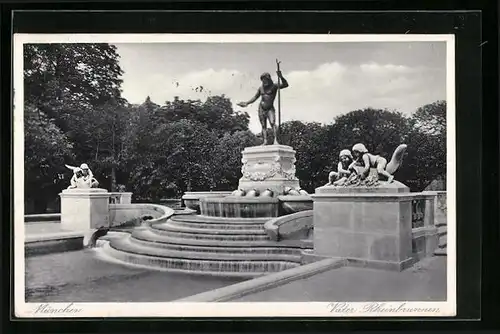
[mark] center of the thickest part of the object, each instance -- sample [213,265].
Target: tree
[77,87]
[313,155]
[216,113]
[105,130]
[380,130]
[227,158]
[46,148]
[426,155]
[81,74]
[179,159]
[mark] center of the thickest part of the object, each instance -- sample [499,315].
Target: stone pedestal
[268,167]
[84,209]
[126,198]
[368,226]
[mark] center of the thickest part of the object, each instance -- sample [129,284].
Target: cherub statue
[82,177]
[363,161]
[342,173]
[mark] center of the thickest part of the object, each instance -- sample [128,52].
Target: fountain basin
[295,203]
[192,199]
[239,207]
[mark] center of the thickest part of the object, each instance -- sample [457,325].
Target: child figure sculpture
[82,177]
[342,174]
[363,161]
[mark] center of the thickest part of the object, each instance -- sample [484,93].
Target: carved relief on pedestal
[260,170]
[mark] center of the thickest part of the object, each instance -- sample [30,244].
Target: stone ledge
[53,246]
[373,197]
[383,265]
[266,282]
[268,148]
[199,194]
[53,236]
[45,217]
[424,231]
[301,220]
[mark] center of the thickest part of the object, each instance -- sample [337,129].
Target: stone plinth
[84,209]
[126,198]
[368,226]
[268,167]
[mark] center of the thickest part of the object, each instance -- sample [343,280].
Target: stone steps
[153,236]
[205,245]
[178,227]
[218,220]
[198,266]
[127,245]
[199,234]
[217,226]
[152,240]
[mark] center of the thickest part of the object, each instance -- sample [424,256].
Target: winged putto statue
[82,177]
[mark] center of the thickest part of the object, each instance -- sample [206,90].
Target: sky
[326,79]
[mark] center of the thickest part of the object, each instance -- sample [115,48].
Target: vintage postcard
[226,175]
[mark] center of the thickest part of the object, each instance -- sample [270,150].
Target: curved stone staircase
[205,245]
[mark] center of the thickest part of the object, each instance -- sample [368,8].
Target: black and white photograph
[185,175]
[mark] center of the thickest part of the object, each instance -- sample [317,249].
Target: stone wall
[295,226]
[380,227]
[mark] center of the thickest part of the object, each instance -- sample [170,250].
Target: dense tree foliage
[46,149]
[74,113]
[426,156]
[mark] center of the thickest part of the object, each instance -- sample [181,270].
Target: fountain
[225,232]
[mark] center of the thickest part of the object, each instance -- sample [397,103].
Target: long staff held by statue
[279,99]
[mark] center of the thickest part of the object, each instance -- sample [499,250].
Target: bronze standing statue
[267,92]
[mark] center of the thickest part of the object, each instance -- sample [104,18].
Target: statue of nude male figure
[267,92]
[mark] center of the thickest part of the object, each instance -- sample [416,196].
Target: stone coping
[83,193]
[240,200]
[273,225]
[167,212]
[265,282]
[154,207]
[267,148]
[85,190]
[295,198]
[418,232]
[52,236]
[200,194]
[392,188]
[44,217]
[371,196]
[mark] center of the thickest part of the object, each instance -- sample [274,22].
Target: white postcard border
[253,309]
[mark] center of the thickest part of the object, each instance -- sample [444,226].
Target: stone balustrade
[120,197]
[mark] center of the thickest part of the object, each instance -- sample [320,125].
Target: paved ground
[79,276]
[46,231]
[424,282]
[42,228]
